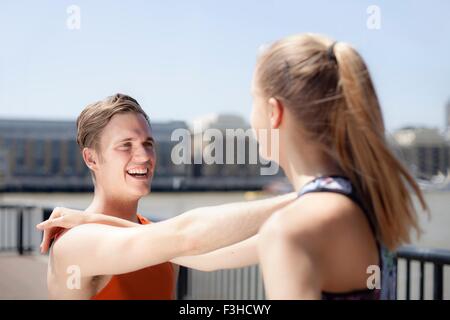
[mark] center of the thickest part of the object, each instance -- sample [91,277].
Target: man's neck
[124,209]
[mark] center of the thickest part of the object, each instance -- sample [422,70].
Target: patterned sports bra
[387,291]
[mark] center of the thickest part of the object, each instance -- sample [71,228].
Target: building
[40,155]
[447,120]
[425,151]
[228,141]
[43,155]
[168,175]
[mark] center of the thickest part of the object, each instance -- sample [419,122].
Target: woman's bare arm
[242,219]
[105,250]
[65,218]
[100,249]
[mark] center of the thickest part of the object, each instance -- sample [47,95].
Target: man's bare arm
[238,255]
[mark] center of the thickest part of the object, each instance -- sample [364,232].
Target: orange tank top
[151,283]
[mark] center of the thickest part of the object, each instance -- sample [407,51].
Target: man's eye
[148,144]
[125,145]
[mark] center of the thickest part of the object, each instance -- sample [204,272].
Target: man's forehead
[135,133]
[129,126]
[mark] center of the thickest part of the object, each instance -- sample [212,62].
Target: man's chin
[142,192]
[139,190]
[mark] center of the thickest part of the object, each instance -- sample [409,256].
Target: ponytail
[364,154]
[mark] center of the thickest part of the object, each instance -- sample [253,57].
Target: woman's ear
[90,158]
[276,113]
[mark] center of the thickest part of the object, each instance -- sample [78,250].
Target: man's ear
[90,158]
[276,113]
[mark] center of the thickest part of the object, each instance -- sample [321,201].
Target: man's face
[127,157]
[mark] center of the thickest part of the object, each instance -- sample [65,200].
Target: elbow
[190,244]
[209,267]
[204,268]
[209,270]
[195,240]
[188,237]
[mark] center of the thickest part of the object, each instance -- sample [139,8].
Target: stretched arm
[212,227]
[105,250]
[122,250]
[238,255]
[219,226]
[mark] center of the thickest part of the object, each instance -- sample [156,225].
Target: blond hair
[94,118]
[328,87]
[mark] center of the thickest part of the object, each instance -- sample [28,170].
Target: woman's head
[324,90]
[116,141]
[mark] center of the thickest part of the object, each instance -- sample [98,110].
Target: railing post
[20,231]
[408,279]
[46,212]
[437,281]
[422,280]
[182,283]
[396,268]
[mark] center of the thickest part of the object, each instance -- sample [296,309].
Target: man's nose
[142,154]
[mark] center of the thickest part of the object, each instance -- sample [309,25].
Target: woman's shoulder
[316,212]
[327,224]
[333,228]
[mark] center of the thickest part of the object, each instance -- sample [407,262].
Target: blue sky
[183,59]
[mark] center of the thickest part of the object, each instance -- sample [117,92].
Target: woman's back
[328,224]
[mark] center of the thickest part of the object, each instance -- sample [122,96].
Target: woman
[96,261]
[353,205]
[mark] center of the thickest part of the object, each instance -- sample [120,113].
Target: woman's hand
[64,218]
[61,218]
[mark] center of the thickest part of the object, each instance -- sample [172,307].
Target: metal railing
[17,228]
[438,259]
[232,284]
[246,283]
[18,234]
